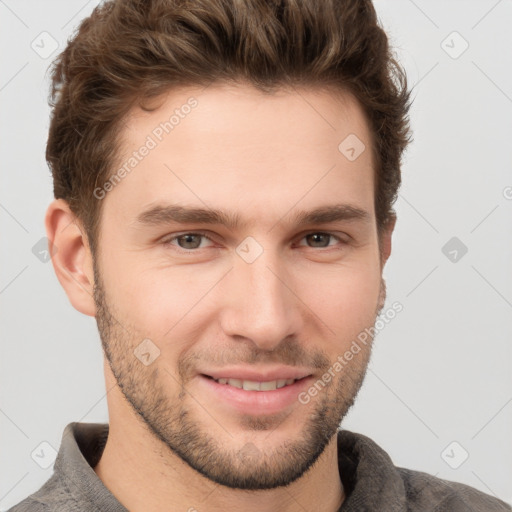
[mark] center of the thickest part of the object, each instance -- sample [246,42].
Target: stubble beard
[173,421]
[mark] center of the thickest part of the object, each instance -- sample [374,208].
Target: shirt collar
[369,477]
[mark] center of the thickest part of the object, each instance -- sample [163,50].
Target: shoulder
[371,478]
[29,504]
[428,492]
[53,496]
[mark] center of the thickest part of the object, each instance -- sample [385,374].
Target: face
[265,288]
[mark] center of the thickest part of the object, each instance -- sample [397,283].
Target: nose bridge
[261,306]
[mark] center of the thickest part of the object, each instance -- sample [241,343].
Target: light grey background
[441,370]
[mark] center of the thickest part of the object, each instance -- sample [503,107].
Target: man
[224,175]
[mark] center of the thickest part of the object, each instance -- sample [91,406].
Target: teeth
[281,383]
[235,382]
[268,386]
[251,385]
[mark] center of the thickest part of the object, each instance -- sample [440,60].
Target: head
[284,122]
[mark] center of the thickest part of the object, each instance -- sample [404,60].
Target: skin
[300,303]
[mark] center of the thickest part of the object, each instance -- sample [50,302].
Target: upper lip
[269,374]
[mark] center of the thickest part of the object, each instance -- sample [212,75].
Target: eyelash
[167,241]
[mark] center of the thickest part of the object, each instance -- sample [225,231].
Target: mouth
[254,397]
[252,385]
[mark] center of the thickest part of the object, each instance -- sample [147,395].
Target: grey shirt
[370,479]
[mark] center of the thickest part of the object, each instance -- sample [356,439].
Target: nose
[260,304]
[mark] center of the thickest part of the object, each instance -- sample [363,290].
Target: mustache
[287,353]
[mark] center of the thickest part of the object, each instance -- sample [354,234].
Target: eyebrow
[167,214]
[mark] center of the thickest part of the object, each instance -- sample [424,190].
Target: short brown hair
[128,51]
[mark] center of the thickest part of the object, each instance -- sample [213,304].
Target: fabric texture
[371,481]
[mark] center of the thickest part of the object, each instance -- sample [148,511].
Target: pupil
[187,240]
[317,236]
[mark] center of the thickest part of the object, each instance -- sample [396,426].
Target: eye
[321,239]
[187,241]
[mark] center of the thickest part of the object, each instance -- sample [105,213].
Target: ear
[385,240]
[385,251]
[71,256]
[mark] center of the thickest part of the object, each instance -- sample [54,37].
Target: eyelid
[337,234]
[168,239]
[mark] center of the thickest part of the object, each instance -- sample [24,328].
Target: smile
[251,385]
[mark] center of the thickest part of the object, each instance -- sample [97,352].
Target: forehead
[258,153]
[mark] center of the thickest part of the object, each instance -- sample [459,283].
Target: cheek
[160,302]
[345,297]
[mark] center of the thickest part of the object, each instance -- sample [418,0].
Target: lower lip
[256,402]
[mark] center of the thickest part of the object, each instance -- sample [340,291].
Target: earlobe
[71,256]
